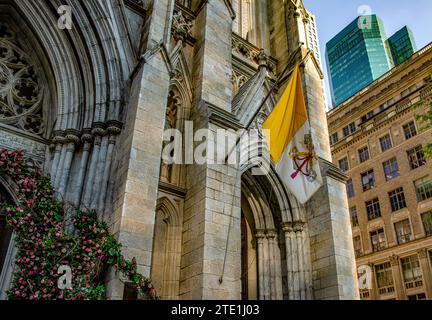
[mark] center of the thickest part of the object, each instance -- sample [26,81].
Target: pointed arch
[165,269]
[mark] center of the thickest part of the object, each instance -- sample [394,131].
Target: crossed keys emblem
[304,160]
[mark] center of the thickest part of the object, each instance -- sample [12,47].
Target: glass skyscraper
[402,45]
[361,53]
[356,57]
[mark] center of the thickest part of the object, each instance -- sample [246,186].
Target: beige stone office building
[90,103]
[377,141]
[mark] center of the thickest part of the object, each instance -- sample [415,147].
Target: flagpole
[279,79]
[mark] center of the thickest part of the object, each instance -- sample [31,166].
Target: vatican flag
[287,132]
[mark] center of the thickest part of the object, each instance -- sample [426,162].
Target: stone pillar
[97,132]
[426,271]
[139,148]
[211,257]
[298,229]
[87,140]
[332,250]
[71,140]
[260,240]
[334,271]
[397,276]
[290,247]
[374,292]
[271,238]
[58,142]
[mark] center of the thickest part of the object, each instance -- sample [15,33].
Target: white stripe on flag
[301,188]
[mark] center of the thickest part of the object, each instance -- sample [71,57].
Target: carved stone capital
[298,226]
[72,136]
[114,127]
[98,129]
[260,234]
[59,137]
[394,260]
[287,227]
[271,234]
[423,253]
[87,136]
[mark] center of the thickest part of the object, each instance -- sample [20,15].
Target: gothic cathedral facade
[90,103]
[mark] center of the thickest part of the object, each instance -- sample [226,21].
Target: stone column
[374,291]
[114,129]
[288,231]
[332,249]
[139,147]
[211,227]
[58,142]
[72,139]
[298,229]
[426,271]
[260,240]
[87,140]
[266,270]
[397,276]
[271,236]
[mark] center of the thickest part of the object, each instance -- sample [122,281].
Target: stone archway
[7,243]
[165,269]
[263,247]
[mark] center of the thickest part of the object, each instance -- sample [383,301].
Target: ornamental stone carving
[181,27]
[21,88]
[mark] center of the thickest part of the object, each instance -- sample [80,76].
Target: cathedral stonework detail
[93,105]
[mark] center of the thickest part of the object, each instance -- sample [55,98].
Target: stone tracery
[22,89]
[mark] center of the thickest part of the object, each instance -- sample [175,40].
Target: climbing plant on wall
[44,243]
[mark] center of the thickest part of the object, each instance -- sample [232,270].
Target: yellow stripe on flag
[287,117]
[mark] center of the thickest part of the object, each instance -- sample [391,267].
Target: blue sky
[334,15]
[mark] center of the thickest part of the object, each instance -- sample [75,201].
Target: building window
[410,130]
[334,138]
[423,189]
[427,222]
[363,154]
[403,231]
[343,164]
[412,272]
[391,169]
[373,209]
[416,157]
[384,278]
[378,240]
[350,188]
[385,143]
[354,216]
[368,180]
[397,199]
[357,246]
[419,296]
[350,129]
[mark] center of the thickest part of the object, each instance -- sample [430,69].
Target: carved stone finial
[181,27]
[262,59]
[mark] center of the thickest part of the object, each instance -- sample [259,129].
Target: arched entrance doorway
[263,242]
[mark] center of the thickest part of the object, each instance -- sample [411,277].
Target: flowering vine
[44,243]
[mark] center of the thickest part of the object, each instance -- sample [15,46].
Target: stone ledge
[222,117]
[330,169]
